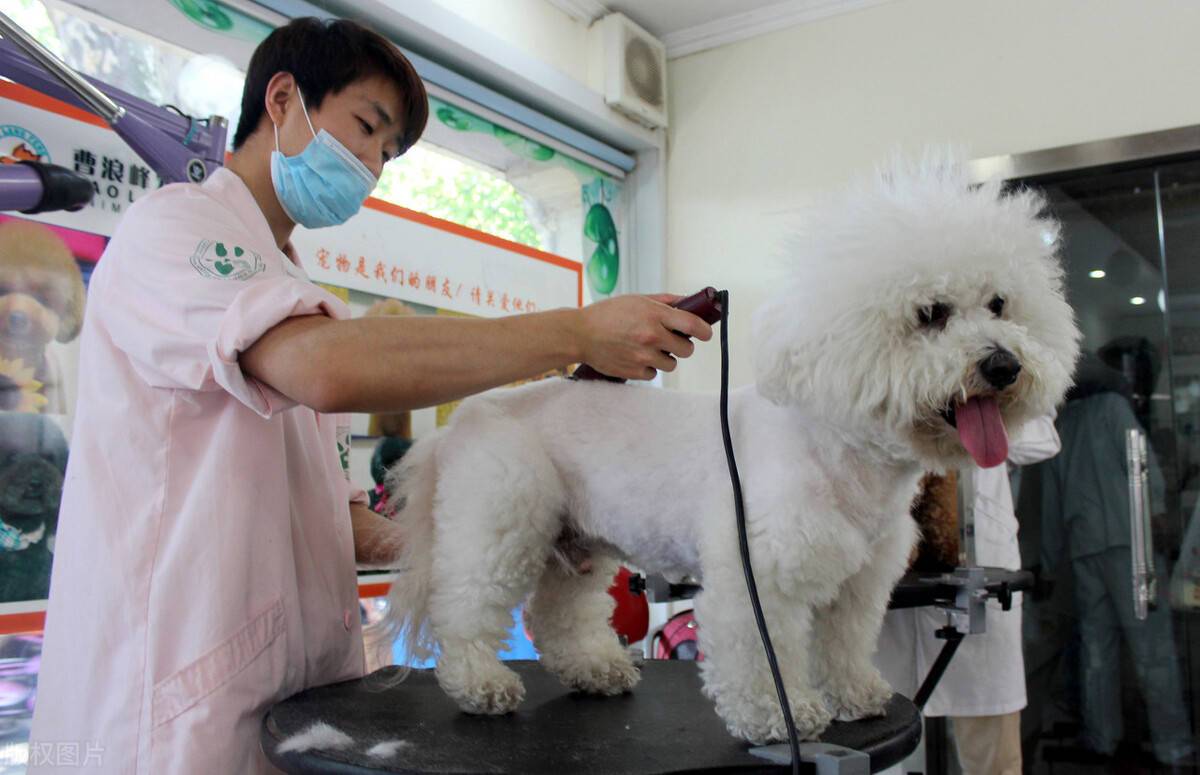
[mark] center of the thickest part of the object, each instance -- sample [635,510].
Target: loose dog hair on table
[921,318]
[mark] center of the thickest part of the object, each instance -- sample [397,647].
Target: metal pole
[96,100]
[1135,462]
[966,517]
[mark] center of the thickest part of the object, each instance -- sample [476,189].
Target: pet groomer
[983,688]
[205,562]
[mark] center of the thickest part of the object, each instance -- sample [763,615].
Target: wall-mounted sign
[384,249]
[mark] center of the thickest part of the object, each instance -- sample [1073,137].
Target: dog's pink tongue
[982,431]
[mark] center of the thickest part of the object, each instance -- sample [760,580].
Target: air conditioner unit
[630,67]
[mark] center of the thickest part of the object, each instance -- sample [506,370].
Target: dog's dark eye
[934,316]
[996,305]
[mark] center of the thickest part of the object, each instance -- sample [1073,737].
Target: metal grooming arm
[176,147]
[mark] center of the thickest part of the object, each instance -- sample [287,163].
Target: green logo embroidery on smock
[226,261]
[343,445]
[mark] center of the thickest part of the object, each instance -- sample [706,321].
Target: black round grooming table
[922,589]
[664,726]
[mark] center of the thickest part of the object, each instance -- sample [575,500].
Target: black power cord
[744,545]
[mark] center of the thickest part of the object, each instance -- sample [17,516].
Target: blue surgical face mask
[324,184]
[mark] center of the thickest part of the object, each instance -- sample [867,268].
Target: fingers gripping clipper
[705,305]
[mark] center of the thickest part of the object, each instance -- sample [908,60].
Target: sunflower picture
[18,388]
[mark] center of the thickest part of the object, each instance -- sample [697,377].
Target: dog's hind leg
[847,630]
[569,618]
[498,507]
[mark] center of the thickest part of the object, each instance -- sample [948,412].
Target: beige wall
[760,126]
[534,26]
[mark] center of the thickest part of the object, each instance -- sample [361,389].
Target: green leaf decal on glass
[205,13]
[461,120]
[216,16]
[522,146]
[602,267]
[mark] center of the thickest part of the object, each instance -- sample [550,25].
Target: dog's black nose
[17,322]
[1000,369]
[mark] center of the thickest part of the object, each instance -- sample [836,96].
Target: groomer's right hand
[635,337]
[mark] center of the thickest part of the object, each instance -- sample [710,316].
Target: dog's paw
[762,721]
[811,717]
[486,689]
[863,697]
[613,676]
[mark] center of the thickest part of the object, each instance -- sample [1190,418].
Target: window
[474,170]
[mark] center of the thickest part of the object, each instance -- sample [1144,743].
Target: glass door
[1110,628]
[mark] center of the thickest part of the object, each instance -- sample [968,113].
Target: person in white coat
[208,532]
[983,688]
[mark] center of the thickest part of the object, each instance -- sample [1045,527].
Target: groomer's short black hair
[325,56]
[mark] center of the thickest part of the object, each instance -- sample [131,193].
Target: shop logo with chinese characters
[226,261]
[19,144]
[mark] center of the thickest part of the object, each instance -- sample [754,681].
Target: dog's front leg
[736,674]
[846,631]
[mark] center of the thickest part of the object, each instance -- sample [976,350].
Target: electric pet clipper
[704,305]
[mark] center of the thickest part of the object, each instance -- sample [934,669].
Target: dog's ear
[841,361]
[774,356]
[70,318]
[791,353]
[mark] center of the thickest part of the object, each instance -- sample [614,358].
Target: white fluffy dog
[923,317]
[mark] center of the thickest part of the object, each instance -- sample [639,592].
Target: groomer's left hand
[635,337]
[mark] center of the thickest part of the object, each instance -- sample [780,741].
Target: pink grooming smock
[204,564]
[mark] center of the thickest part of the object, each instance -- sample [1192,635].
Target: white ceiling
[688,26]
[660,17]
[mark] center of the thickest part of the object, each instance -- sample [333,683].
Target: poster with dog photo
[42,294]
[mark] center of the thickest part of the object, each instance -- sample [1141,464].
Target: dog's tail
[411,485]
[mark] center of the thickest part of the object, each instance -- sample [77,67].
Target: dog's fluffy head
[922,312]
[41,289]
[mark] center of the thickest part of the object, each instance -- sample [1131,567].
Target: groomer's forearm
[376,540]
[396,363]
[415,362]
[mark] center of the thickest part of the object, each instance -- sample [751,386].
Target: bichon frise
[923,318]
